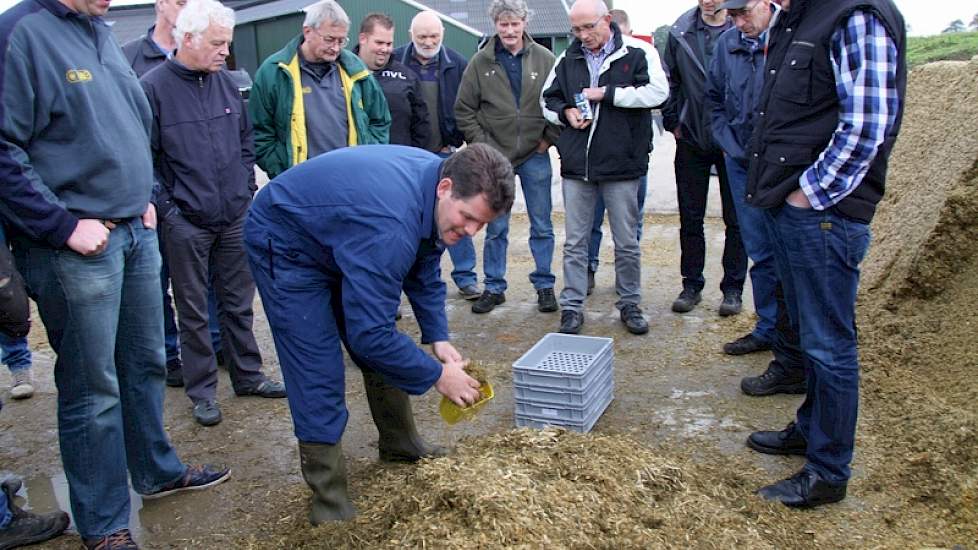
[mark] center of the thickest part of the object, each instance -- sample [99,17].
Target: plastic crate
[567,412]
[564,361]
[560,396]
[583,427]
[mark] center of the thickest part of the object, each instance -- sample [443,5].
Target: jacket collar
[183,71]
[444,60]
[491,45]
[63,11]
[576,48]
[149,47]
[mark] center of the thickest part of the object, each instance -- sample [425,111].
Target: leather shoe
[686,301]
[745,344]
[174,373]
[805,489]
[470,292]
[788,441]
[207,413]
[571,321]
[488,302]
[775,379]
[546,301]
[731,304]
[631,315]
[268,388]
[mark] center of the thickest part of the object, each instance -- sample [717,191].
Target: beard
[427,54]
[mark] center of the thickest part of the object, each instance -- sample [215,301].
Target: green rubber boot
[391,410]
[324,470]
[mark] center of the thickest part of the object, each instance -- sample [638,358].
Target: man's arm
[864,59]
[270,151]
[420,123]
[248,147]
[378,113]
[650,89]
[426,291]
[552,99]
[670,111]
[467,104]
[716,87]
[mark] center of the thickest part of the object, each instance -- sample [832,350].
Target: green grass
[959,46]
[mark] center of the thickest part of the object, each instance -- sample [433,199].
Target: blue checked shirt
[864,60]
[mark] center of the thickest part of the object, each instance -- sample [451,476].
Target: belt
[116,221]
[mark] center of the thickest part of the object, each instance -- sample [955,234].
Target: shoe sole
[736,352]
[729,312]
[774,450]
[788,389]
[547,309]
[814,503]
[162,494]
[208,424]
[499,303]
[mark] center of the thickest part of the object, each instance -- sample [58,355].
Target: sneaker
[686,301]
[120,540]
[207,413]
[197,477]
[470,292]
[631,315]
[746,344]
[571,321]
[488,301]
[22,386]
[268,388]
[731,304]
[590,282]
[28,528]
[775,379]
[546,301]
[174,373]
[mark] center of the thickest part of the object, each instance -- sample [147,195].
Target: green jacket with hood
[486,111]
[278,116]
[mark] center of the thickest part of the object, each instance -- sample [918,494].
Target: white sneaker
[23,384]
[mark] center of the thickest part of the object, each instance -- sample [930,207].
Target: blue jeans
[818,253]
[535,177]
[595,245]
[104,320]
[757,243]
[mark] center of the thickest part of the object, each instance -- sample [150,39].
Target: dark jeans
[692,187]
[819,254]
[196,255]
[103,316]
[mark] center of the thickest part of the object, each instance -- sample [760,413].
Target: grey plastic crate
[583,427]
[564,361]
[566,412]
[562,396]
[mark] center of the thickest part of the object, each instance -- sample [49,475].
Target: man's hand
[543,146]
[798,199]
[446,352]
[573,116]
[594,94]
[460,388]
[677,132]
[149,216]
[90,237]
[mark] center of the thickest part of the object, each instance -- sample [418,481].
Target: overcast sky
[924,16]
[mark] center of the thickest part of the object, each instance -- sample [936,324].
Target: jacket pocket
[794,80]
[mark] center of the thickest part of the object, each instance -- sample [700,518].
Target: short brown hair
[374,19]
[478,169]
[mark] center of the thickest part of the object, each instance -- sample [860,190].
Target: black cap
[732,5]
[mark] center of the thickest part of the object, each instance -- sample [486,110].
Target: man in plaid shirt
[827,120]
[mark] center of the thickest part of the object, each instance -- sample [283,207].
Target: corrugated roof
[549,16]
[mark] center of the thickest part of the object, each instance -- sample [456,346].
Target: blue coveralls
[332,243]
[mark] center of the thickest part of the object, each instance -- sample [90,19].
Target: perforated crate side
[562,396]
[583,427]
[565,412]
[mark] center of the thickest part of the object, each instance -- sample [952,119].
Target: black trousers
[692,188]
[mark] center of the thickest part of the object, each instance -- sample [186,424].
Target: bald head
[592,9]
[427,33]
[591,23]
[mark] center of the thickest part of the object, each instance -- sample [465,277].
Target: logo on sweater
[393,74]
[533,75]
[74,76]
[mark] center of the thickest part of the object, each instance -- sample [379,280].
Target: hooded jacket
[276,108]
[486,110]
[142,53]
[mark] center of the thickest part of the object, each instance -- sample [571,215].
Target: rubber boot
[324,470]
[391,410]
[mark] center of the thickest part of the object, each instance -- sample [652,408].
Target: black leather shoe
[788,441]
[775,379]
[571,321]
[174,373]
[731,304]
[590,282]
[546,301]
[488,301]
[744,345]
[686,301]
[803,490]
[470,292]
[631,315]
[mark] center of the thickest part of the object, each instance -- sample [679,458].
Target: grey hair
[516,8]
[197,15]
[325,11]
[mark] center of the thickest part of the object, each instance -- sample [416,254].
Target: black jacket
[799,107]
[142,53]
[616,145]
[685,64]
[203,148]
[451,65]
[409,113]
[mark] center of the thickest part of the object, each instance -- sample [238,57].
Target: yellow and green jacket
[277,113]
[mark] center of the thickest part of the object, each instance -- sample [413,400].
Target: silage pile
[540,489]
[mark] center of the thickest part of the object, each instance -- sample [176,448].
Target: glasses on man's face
[741,12]
[587,28]
[332,40]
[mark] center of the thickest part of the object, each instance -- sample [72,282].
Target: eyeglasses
[332,40]
[587,28]
[740,12]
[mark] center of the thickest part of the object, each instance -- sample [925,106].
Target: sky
[925,17]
